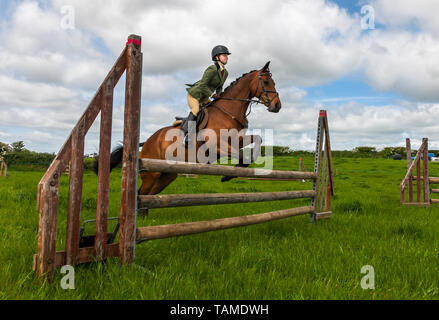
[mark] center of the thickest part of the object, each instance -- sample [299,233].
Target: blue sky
[379,85]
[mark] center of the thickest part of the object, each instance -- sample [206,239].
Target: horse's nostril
[277,105]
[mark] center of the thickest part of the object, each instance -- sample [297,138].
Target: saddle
[202,118]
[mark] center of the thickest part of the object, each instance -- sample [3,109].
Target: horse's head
[265,89]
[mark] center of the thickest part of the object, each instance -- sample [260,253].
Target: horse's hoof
[226,178]
[142,212]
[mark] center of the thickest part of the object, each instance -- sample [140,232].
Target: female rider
[212,81]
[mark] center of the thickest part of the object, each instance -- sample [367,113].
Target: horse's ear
[265,68]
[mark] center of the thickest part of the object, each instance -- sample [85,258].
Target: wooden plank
[328,193]
[48,208]
[328,148]
[418,180]
[172,230]
[425,173]
[127,235]
[409,160]
[323,215]
[324,182]
[419,204]
[412,167]
[86,255]
[170,166]
[185,200]
[75,193]
[434,191]
[104,168]
[272,179]
[434,200]
[431,180]
[317,163]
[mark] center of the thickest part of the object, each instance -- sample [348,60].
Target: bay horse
[226,111]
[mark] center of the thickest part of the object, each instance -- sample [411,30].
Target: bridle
[267,101]
[265,91]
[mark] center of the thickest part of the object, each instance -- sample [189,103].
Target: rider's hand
[214,96]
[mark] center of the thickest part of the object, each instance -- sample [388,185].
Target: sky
[374,65]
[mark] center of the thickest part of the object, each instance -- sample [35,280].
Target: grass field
[284,259]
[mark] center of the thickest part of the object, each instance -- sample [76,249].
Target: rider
[212,81]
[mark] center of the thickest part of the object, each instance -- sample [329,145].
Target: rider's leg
[190,130]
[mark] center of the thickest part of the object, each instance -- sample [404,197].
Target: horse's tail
[115,158]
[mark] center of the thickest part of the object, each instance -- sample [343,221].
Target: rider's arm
[200,90]
[220,88]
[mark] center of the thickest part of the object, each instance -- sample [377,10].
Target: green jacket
[211,81]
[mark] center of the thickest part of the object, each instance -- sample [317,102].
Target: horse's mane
[231,85]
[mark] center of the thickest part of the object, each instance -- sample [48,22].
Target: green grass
[284,259]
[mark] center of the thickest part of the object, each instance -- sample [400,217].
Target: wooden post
[426,173]
[48,207]
[317,163]
[104,169]
[324,183]
[75,193]
[329,153]
[408,150]
[418,179]
[127,238]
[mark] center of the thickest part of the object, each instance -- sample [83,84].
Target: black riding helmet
[217,50]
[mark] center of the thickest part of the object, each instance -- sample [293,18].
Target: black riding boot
[192,133]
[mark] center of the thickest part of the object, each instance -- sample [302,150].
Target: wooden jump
[422,182]
[3,168]
[71,154]
[320,195]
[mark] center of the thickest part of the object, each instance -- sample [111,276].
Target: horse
[228,111]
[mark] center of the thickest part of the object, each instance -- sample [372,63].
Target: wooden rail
[180,229]
[168,166]
[186,200]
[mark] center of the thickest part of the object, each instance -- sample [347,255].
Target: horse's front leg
[244,160]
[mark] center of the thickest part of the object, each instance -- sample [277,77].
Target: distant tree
[365,150]
[389,152]
[17,146]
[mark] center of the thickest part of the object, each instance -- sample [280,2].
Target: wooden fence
[320,194]
[72,153]
[419,182]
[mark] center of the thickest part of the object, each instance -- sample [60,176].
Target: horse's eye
[266,82]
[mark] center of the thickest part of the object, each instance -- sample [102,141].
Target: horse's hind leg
[164,180]
[148,181]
